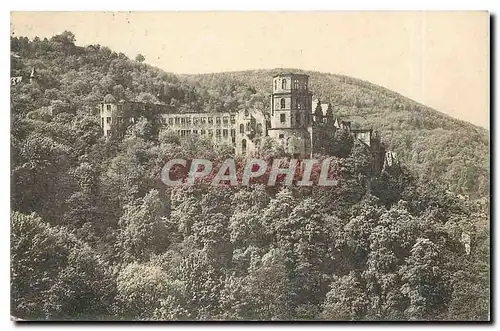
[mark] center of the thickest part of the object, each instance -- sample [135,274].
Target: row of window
[119,120]
[218,132]
[298,119]
[119,107]
[287,143]
[171,121]
[301,103]
[195,120]
[200,120]
[296,85]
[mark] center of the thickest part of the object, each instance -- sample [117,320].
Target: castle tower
[291,103]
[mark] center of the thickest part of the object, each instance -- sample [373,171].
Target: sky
[440,59]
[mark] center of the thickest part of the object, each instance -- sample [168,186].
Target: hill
[103,239]
[436,146]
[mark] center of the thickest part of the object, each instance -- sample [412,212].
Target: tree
[346,300]
[66,278]
[140,58]
[142,229]
[109,99]
[146,97]
[147,292]
[424,282]
[329,113]
[318,112]
[269,287]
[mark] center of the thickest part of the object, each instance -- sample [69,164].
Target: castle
[294,120]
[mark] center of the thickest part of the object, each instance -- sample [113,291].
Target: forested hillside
[95,234]
[434,145]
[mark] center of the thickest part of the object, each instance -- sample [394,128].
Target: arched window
[283,84]
[248,127]
[246,113]
[275,84]
[244,146]
[242,128]
[282,103]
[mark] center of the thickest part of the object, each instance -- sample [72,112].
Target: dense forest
[435,146]
[96,235]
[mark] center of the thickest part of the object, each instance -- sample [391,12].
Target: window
[242,128]
[282,103]
[225,121]
[177,120]
[296,84]
[281,136]
[188,121]
[120,107]
[108,107]
[203,120]
[108,132]
[217,133]
[120,120]
[283,84]
[275,84]
[233,119]
[210,121]
[202,132]
[183,121]
[217,121]
[233,133]
[248,127]
[170,121]
[282,118]
[225,133]
[195,120]
[246,113]
[195,131]
[244,146]
[102,121]
[210,132]
[108,120]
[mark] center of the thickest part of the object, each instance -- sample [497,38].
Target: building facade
[293,120]
[242,130]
